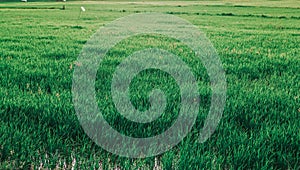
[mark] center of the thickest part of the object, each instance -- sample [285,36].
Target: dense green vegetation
[259,49]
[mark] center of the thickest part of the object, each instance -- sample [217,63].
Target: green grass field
[258,43]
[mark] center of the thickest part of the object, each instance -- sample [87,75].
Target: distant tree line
[38,0]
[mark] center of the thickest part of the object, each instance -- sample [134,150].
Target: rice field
[258,45]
